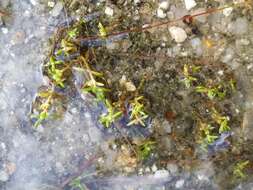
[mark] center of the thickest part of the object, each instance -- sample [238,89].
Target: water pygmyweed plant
[145,149]
[92,85]
[111,116]
[55,73]
[211,92]
[207,134]
[76,183]
[238,170]
[137,112]
[66,48]
[47,98]
[102,30]
[188,79]
[73,33]
[221,120]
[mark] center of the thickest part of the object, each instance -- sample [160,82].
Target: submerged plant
[102,30]
[222,121]
[111,116]
[66,48]
[239,168]
[92,85]
[76,183]
[207,135]
[211,92]
[137,113]
[188,79]
[145,149]
[47,98]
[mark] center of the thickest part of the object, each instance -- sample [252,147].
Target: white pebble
[57,9]
[189,4]
[227,11]
[50,4]
[164,5]
[5,30]
[178,34]
[3,176]
[154,168]
[161,174]
[160,13]
[33,2]
[109,11]
[179,184]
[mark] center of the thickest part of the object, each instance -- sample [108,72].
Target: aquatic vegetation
[76,183]
[47,99]
[66,48]
[111,116]
[137,113]
[211,92]
[145,149]
[239,169]
[207,129]
[102,30]
[222,121]
[188,79]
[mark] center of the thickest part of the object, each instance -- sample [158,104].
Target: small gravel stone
[179,184]
[161,174]
[109,11]
[178,34]
[164,5]
[154,168]
[4,176]
[57,9]
[51,4]
[172,168]
[189,4]
[4,3]
[166,126]
[33,2]
[197,46]
[5,30]
[160,13]
[239,27]
[227,11]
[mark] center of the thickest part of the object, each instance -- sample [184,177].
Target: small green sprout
[138,114]
[188,80]
[222,121]
[91,85]
[207,132]
[239,168]
[55,73]
[73,33]
[111,116]
[66,48]
[94,87]
[40,117]
[57,76]
[102,30]
[76,183]
[145,149]
[232,83]
[211,92]
[44,107]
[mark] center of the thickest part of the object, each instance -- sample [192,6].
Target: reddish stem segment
[159,24]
